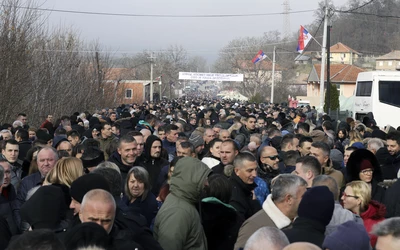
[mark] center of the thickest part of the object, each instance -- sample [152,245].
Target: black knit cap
[85,235]
[92,157]
[85,183]
[317,204]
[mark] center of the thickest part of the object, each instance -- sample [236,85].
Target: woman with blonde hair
[354,136]
[65,172]
[357,198]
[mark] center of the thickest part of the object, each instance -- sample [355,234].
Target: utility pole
[328,69]
[286,23]
[273,75]
[160,85]
[151,76]
[323,59]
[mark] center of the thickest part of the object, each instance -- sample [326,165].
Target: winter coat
[261,191]
[242,197]
[221,223]
[269,216]
[153,165]
[178,225]
[27,184]
[218,169]
[392,201]
[243,136]
[16,171]
[5,234]
[147,207]
[390,164]
[8,199]
[116,158]
[24,147]
[374,214]
[335,174]
[104,144]
[353,172]
[340,216]
[306,230]
[170,147]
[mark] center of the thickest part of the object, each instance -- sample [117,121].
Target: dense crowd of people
[199,174]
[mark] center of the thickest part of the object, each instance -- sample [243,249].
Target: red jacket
[374,214]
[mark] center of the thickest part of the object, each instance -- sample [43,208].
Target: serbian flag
[259,57]
[304,39]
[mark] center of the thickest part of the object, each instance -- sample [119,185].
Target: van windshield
[364,88]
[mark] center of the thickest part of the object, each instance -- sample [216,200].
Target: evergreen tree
[334,99]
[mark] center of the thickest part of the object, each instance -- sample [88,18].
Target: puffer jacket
[178,225]
[373,215]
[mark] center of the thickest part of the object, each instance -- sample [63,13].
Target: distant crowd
[198,174]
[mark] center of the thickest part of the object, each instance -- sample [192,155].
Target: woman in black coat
[364,166]
[221,221]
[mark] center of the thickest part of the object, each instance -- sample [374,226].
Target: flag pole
[273,76]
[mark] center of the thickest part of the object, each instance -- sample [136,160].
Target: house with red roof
[344,76]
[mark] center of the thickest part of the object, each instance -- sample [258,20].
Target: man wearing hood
[178,225]
[153,162]
[126,155]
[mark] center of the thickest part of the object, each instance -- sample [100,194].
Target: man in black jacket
[228,152]
[153,162]
[8,197]
[126,155]
[243,197]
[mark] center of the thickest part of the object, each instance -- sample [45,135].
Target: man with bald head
[269,167]
[267,238]
[146,133]
[302,246]
[98,206]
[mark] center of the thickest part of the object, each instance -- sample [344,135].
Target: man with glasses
[269,167]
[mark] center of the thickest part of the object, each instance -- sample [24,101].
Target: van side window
[388,92]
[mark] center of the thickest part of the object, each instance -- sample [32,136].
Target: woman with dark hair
[212,158]
[363,165]
[138,195]
[342,137]
[221,221]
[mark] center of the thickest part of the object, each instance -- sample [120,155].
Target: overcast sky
[199,36]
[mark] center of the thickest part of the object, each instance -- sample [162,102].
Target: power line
[369,14]
[359,7]
[164,16]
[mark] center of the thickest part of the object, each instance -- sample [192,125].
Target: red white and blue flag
[259,57]
[304,39]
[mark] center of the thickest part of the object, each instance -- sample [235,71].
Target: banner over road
[210,77]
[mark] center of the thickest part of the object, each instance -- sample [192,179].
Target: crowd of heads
[292,165]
